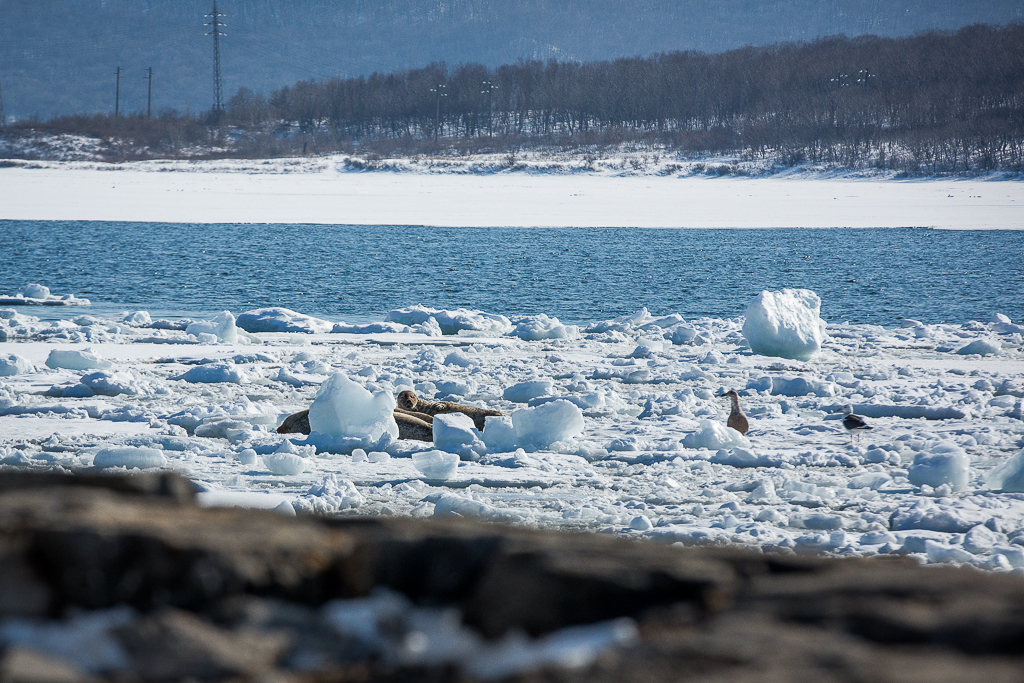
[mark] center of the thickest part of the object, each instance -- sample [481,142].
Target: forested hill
[59,57]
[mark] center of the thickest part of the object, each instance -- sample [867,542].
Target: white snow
[344,408]
[787,324]
[229,192]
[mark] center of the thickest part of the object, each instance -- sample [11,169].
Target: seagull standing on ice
[853,423]
[737,420]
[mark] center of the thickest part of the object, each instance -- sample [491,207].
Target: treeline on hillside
[934,102]
[938,101]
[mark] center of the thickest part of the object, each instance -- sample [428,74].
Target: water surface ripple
[357,273]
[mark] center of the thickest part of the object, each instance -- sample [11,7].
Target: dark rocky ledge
[229,594]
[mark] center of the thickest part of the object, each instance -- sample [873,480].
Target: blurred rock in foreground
[126,579]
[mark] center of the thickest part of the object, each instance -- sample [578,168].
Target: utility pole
[117,94]
[215,25]
[149,95]
[440,92]
[488,89]
[3,115]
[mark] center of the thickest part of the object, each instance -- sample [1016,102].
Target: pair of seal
[409,401]
[415,417]
[418,427]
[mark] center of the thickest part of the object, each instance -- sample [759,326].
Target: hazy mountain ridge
[58,59]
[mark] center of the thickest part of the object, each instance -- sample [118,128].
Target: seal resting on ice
[409,401]
[410,426]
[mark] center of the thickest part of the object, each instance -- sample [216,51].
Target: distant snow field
[631,190]
[618,427]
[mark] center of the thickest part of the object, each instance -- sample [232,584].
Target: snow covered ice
[616,426]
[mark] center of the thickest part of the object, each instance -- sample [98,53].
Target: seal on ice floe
[409,426]
[408,400]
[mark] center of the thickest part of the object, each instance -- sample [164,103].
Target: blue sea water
[357,273]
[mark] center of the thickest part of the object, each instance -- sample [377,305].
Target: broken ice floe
[38,295]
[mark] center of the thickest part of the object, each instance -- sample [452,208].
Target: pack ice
[616,425]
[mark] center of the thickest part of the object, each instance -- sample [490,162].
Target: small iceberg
[38,295]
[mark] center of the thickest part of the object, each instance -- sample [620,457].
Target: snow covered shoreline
[329,191]
[937,477]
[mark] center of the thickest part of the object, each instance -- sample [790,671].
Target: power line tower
[117,94]
[439,91]
[215,25]
[149,95]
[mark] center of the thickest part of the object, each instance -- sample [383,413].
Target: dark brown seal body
[737,419]
[409,426]
[409,401]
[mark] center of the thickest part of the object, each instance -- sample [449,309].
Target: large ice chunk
[547,423]
[538,327]
[130,457]
[455,433]
[943,464]
[11,364]
[214,373]
[329,495]
[452,322]
[436,464]
[1008,477]
[715,436]
[72,359]
[785,324]
[344,408]
[34,291]
[285,464]
[981,347]
[524,392]
[499,434]
[281,320]
[222,327]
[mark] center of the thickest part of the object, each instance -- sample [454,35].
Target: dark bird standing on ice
[737,419]
[853,423]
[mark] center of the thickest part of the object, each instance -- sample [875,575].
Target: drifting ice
[436,464]
[455,433]
[86,359]
[343,408]
[11,364]
[715,436]
[547,423]
[785,324]
[222,327]
[944,464]
[1008,477]
[130,457]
